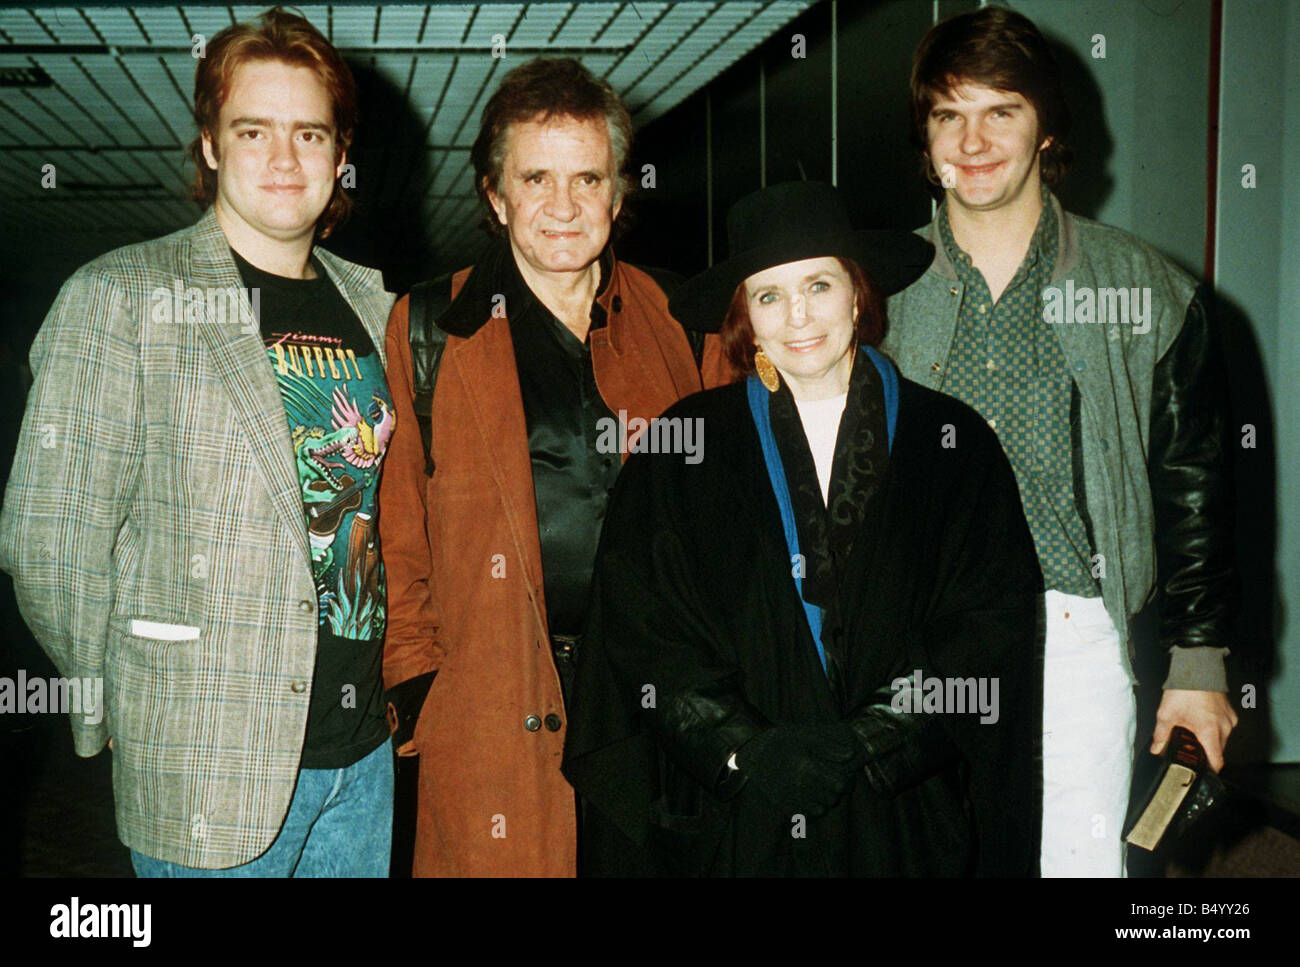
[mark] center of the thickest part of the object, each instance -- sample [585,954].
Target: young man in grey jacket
[1091,357]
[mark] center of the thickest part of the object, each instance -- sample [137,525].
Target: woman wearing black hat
[813,651]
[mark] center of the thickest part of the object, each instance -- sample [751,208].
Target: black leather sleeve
[1190,473]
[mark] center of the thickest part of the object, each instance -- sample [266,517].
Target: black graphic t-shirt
[340,420]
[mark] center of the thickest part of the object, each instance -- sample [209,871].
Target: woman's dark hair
[737,332]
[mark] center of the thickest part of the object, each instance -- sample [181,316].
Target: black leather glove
[902,749]
[403,703]
[801,768]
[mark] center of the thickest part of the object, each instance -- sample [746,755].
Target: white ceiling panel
[107,92]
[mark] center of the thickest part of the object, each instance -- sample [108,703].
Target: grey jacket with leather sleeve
[1152,474]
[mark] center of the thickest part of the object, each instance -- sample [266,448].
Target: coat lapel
[239,359]
[499,414]
[632,371]
[370,302]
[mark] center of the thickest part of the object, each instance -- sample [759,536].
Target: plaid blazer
[154,528]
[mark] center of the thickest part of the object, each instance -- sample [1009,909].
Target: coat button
[953,291]
[934,367]
[553,722]
[305,605]
[532,723]
[298,687]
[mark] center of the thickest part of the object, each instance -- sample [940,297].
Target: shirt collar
[496,274]
[1041,245]
[521,299]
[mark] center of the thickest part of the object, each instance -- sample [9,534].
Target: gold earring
[766,371]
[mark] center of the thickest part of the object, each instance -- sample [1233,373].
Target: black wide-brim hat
[790,222]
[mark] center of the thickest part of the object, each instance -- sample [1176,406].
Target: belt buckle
[565,647]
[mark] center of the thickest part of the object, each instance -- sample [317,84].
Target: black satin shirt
[563,410]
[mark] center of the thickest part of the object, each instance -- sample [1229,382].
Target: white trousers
[1089,720]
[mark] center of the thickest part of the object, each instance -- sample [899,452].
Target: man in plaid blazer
[169,529]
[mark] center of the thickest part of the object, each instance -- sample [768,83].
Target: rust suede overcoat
[464,566]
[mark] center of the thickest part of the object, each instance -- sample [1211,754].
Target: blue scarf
[758,406]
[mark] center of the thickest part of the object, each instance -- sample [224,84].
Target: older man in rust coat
[490,534]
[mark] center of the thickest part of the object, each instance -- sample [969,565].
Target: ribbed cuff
[1198,668]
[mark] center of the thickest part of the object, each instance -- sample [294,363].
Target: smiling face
[984,147]
[557,193]
[804,317]
[274,154]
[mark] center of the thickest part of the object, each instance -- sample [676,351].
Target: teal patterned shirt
[1007,363]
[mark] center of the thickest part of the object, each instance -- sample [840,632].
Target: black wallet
[1184,789]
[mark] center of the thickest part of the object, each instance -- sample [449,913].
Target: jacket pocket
[163,631]
[149,680]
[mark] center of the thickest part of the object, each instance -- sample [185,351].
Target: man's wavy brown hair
[277,35]
[1001,49]
[538,90]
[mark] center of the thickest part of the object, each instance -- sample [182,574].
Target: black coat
[697,639]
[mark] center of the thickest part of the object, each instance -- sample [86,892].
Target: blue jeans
[340,823]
